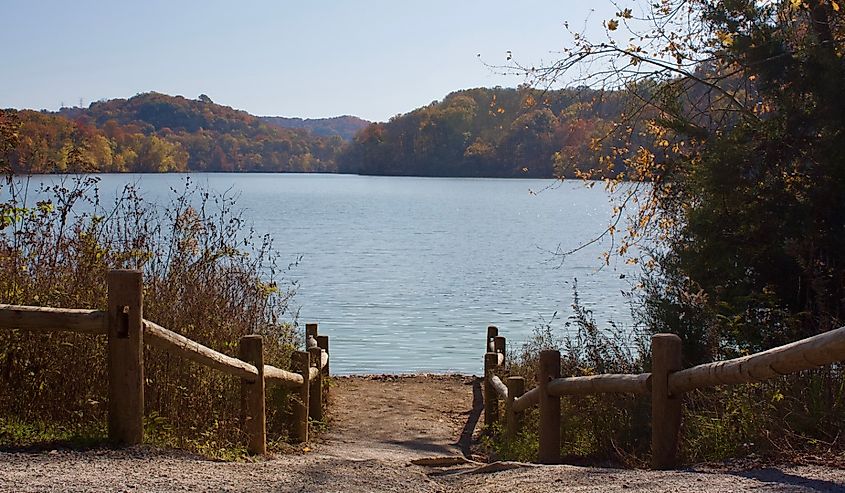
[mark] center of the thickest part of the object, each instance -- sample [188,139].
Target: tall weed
[602,428]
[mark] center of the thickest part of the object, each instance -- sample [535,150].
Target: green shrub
[794,415]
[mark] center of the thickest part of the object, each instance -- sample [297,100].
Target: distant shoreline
[297,173]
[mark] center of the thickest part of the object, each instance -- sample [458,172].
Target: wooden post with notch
[253,416]
[516,387]
[310,333]
[301,363]
[492,332]
[491,398]
[665,408]
[315,393]
[549,451]
[125,357]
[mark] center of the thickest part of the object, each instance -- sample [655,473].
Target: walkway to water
[380,425]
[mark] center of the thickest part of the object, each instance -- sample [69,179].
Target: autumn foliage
[159,133]
[496,132]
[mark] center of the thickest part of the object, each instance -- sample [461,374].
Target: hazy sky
[373,59]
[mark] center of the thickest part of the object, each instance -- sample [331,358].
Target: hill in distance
[345,127]
[154,132]
[495,132]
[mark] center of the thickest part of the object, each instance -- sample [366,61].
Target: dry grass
[207,276]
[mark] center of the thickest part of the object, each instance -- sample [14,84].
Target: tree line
[493,132]
[486,132]
[158,133]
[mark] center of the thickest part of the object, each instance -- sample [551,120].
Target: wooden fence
[666,385]
[127,331]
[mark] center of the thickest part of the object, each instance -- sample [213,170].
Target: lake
[404,274]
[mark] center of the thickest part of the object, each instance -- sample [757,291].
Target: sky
[311,59]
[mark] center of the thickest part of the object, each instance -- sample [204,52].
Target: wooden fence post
[490,403]
[310,333]
[126,356]
[251,350]
[549,452]
[300,406]
[323,343]
[665,408]
[492,332]
[499,344]
[491,398]
[315,403]
[516,387]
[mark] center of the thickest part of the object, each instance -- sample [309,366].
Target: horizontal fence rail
[127,331]
[499,387]
[527,401]
[806,354]
[282,377]
[48,319]
[601,384]
[665,385]
[179,345]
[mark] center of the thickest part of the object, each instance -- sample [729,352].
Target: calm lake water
[405,274]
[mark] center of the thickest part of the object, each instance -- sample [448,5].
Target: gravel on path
[380,424]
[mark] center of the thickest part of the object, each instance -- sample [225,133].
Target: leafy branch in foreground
[731,169]
[732,186]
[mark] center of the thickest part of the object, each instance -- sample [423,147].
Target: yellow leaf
[612,24]
[726,39]
[834,5]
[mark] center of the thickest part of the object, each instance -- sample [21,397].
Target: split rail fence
[127,331]
[666,385]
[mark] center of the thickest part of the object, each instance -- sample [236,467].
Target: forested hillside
[159,133]
[483,132]
[494,132]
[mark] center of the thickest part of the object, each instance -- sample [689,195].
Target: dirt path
[380,424]
[403,418]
